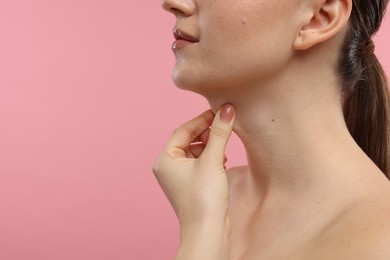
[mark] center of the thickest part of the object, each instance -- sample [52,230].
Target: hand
[190,169]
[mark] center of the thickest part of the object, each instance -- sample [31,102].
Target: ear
[327,18]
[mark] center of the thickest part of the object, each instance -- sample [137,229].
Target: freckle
[273,120]
[244,20]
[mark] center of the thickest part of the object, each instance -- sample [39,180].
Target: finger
[203,137]
[189,131]
[196,150]
[220,133]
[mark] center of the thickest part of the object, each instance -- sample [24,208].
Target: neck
[294,134]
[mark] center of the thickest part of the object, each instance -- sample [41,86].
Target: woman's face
[240,42]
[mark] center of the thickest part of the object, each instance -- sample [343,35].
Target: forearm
[206,241]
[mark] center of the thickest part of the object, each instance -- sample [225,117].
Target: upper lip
[180,35]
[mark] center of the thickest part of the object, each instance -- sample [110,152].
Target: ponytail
[365,89]
[366,112]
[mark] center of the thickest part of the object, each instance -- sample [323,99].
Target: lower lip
[179,44]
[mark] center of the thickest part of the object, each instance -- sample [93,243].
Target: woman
[299,83]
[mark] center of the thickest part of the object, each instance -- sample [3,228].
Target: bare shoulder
[371,238]
[362,232]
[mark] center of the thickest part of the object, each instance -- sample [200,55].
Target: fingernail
[227,113]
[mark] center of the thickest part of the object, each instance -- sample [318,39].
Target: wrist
[200,221]
[206,240]
[219,225]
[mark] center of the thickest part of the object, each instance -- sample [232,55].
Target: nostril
[176,11]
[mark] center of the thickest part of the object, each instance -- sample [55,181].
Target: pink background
[86,104]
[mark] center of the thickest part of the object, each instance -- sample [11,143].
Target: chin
[190,77]
[186,81]
[203,85]
[205,89]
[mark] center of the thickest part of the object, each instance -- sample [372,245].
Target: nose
[179,7]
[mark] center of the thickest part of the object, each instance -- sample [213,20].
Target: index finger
[183,136]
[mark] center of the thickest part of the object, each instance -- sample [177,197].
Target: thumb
[220,132]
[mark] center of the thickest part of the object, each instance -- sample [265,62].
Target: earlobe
[328,18]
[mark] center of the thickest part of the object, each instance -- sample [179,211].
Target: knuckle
[185,131]
[162,165]
[157,167]
[175,131]
[219,132]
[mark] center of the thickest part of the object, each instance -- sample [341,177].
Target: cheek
[243,42]
[238,46]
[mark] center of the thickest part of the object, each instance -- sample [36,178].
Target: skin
[308,191]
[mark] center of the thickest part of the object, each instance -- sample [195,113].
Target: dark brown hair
[365,90]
